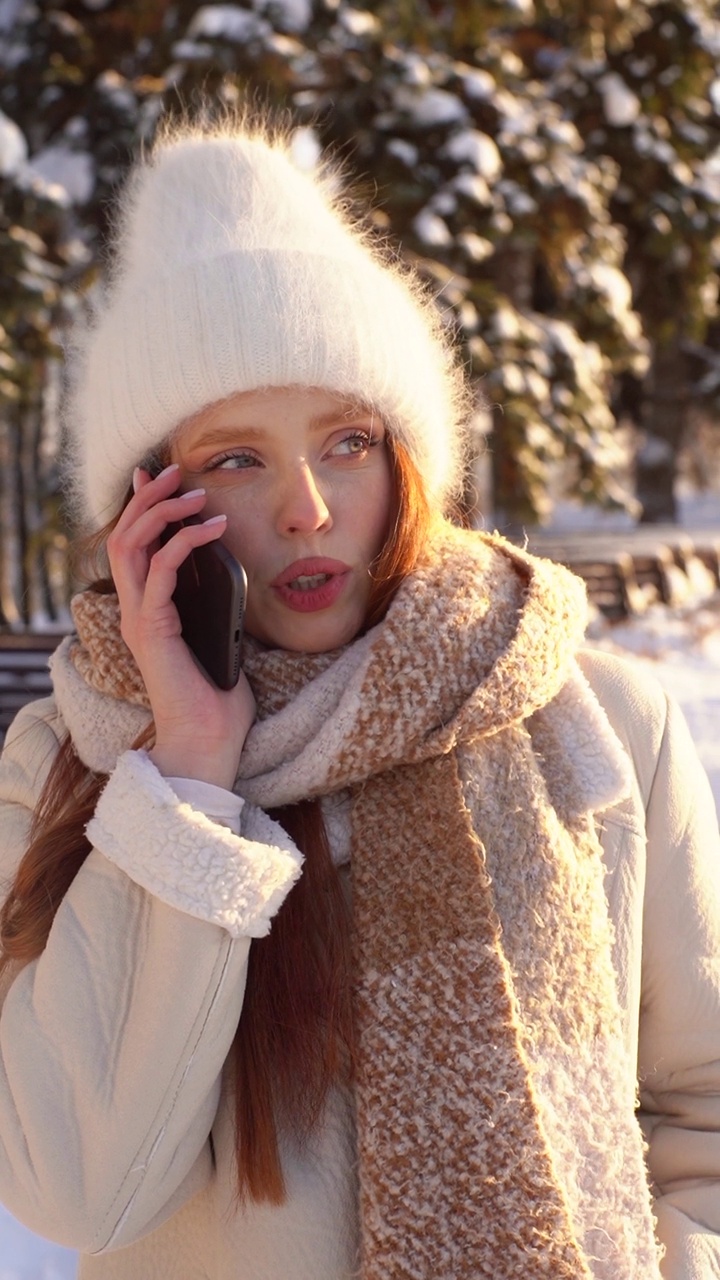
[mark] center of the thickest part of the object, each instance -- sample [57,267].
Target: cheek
[244,532]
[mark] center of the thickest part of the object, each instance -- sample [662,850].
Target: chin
[316,634]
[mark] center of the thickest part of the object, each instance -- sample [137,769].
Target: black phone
[210,599]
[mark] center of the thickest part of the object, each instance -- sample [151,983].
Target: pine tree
[647,108]
[544,166]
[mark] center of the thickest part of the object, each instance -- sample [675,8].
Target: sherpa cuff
[219,805]
[186,859]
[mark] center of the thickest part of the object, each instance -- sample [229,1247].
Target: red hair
[294,1039]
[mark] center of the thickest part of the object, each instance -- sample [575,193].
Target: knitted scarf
[495,1115]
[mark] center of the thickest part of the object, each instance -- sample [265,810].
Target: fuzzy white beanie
[234,270]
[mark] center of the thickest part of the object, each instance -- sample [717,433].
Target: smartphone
[210,599]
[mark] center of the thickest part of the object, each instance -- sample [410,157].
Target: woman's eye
[232,462]
[353,446]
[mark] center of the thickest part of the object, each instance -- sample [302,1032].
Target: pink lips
[306,598]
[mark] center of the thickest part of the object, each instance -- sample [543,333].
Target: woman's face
[304,479]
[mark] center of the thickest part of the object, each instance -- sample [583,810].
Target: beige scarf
[495,1126]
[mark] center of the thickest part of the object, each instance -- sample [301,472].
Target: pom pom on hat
[234,270]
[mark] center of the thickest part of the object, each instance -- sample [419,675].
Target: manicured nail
[174,466]
[214,519]
[136,479]
[191,493]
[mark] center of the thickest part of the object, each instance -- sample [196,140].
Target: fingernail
[191,493]
[174,466]
[214,519]
[136,479]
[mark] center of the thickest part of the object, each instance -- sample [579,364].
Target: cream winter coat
[112,1044]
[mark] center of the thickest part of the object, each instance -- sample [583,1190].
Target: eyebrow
[218,435]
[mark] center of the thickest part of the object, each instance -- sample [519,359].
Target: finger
[133,557]
[150,525]
[147,609]
[162,573]
[147,492]
[130,549]
[185,539]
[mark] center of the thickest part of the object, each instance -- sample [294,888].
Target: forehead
[255,411]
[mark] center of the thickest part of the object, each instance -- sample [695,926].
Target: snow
[116,87]
[404,151]
[475,148]
[517,200]
[191,50]
[13,147]
[478,84]
[473,187]
[291,15]
[620,105]
[358,22]
[226,22]
[9,13]
[476,247]
[62,167]
[613,283]
[416,70]
[430,107]
[430,228]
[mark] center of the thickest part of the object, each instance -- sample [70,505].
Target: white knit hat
[235,271]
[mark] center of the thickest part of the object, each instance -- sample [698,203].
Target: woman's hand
[200,729]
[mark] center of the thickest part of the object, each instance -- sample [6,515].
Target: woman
[214,1066]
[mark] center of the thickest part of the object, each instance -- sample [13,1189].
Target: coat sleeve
[112,1042]
[679,1044]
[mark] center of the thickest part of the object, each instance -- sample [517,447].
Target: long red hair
[294,1039]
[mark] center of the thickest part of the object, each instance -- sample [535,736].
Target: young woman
[352,969]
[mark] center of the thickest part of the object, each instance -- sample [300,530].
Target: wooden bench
[611,581]
[24,674]
[626,572]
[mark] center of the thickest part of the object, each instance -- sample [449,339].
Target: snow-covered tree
[650,107]
[550,168]
[483,184]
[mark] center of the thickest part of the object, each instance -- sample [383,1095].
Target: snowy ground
[682,647]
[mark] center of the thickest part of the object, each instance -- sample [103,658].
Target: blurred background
[553,169]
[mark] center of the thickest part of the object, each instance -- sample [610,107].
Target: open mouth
[313,586]
[309,583]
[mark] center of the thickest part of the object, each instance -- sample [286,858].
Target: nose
[302,507]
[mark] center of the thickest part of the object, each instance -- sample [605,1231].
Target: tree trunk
[513,271]
[665,412]
[38,604]
[34,584]
[12,578]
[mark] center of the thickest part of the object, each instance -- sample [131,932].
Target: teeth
[304,583]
